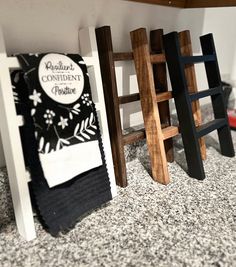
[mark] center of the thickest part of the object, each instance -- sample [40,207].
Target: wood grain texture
[172,3]
[122,56]
[162,97]
[129,98]
[134,137]
[160,80]
[186,50]
[157,58]
[150,110]
[190,3]
[209,3]
[169,132]
[105,49]
[118,140]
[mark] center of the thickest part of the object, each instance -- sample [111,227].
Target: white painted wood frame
[10,123]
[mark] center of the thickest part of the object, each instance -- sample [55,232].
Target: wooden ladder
[177,64]
[107,62]
[149,97]
[118,140]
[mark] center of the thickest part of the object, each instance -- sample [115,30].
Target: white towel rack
[10,123]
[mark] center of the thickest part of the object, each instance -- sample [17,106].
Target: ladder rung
[129,98]
[205,93]
[161,97]
[210,126]
[13,63]
[89,61]
[134,137]
[98,106]
[167,131]
[20,120]
[123,56]
[28,176]
[157,58]
[197,59]
[170,131]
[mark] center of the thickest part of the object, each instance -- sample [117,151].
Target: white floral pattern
[49,116]
[86,128]
[86,100]
[33,111]
[63,123]
[35,97]
[15,94]
[76,110]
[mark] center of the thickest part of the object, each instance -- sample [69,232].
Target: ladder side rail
[13,149]
[214,80]
[88,46]
[183,105]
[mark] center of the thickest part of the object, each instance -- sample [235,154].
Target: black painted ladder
[190,133]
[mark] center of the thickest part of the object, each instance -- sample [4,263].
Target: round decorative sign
[61,78]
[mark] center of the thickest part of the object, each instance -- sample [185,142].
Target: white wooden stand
[10,123]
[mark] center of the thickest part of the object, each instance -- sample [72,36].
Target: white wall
[52,25]
[220,22]
[33,25]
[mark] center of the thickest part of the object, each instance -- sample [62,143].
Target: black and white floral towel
[51,127]
[63,115]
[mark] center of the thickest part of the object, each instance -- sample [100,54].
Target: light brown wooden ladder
[150,96]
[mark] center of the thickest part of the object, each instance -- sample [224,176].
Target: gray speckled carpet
[187,223]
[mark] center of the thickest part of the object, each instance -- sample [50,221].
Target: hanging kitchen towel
[63,114]
[61,206]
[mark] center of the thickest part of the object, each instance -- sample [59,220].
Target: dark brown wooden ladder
[177,64]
